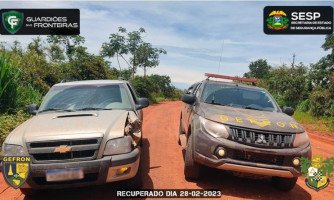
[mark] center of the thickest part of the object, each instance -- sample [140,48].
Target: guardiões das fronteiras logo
[15,170]
[277,20]
[12,21]
[317,171]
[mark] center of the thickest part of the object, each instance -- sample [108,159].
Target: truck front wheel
[191,168]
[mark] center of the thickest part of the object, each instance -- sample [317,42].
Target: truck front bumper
[247,159]
[96,172]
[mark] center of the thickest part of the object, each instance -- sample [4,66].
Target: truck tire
[284,184]
[28,191]
[180,132]
[191,169]
[137,181]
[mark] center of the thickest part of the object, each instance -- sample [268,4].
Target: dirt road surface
[163,167]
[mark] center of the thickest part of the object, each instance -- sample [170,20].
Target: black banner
[40,22]
[298,20]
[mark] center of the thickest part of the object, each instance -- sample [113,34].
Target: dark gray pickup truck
[240,128]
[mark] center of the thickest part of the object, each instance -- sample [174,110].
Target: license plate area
[54,175]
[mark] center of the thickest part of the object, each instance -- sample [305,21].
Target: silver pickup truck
[83,133]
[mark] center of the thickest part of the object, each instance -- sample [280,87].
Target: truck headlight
[118,146]
[13,150]
[213,128]
[301,139]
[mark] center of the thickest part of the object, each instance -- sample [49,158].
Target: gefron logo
[277,20]
[15,170]
[12,21]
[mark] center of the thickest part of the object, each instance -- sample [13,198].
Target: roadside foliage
[27,73]
[308,89]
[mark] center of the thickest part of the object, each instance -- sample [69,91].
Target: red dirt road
[163,167]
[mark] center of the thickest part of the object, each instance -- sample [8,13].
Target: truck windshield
[86,97]
[240,97]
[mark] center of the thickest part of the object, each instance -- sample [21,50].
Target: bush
[8,84]
[304,106]
[289,86]
[142,86]
[9,123]
[322,103]
[27,95]
[155,87]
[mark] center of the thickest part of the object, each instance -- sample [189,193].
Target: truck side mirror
[189,99]
[32,109]
[288,110]
[142,103]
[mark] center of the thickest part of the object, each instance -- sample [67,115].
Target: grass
[323,124]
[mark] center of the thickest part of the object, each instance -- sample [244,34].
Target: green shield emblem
[12,21]
[15,170]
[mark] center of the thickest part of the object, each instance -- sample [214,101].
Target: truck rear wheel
[284,184]
[191,169]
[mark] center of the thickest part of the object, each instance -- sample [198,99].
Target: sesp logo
[12,21]
[277,20]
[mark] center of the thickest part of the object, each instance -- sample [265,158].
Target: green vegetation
[131,44]
[156,88]
[308,89]
[26,74]
[324,124]
[9,122]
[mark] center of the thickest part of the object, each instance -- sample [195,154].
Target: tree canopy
[309,88]
[132,46]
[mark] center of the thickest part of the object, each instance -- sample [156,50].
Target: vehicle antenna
[221,56]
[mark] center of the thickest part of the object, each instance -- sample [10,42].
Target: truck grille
[261,138]
[64,150]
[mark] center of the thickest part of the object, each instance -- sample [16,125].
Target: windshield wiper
[92,108]
[251,108]
[56,109]
[216,103]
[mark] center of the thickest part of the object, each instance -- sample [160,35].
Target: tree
[147,56]
[324,68]
[322,76]
[289,86]
[155,87]
[55,51]
[134,41]
[90,67]
[140,53]
[72,45]
[37,46]
[258,69]
[116,46]
[16,47]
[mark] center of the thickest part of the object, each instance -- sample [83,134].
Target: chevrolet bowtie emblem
[63,149]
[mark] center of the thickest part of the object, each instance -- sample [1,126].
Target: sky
[199,37]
